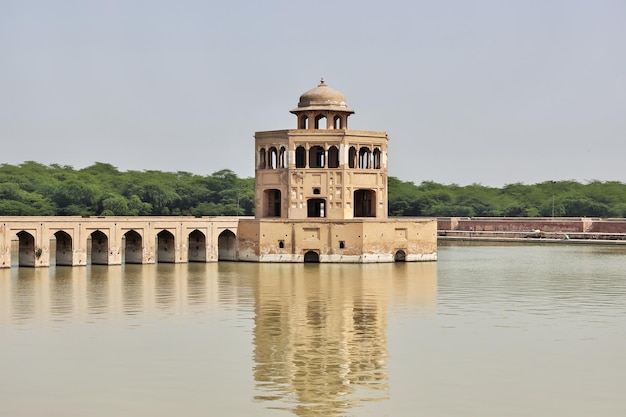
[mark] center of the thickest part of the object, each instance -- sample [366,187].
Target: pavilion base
[332,241]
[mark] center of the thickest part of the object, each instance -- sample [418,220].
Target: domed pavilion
[321,193]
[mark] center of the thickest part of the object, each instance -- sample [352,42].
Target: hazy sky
[490,92]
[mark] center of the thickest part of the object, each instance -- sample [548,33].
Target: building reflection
[320,344]
[319,332]
[68,293]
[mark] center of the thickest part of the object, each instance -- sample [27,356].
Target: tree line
[34,189]
[545,199]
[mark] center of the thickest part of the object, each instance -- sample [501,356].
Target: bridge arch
[166,247]
[64,249]
[27,252]
[99,248]
[133,247]
[400,256]
[227,246]
[312,257]
[196,248]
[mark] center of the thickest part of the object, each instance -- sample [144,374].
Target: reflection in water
[98,290]
[61,292]
[318,338]
[486,331]
[196,285]
[132,288]
[166,289]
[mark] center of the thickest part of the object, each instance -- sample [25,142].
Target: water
[485,331]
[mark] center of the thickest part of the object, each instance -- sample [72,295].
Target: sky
[470,92]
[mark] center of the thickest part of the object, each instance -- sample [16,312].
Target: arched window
[364,158]
[300,157]
[377,156]
[262,159]
[320,120]
[282,158]
[303,121]
[364,203]
[316,157]
[316,207]
[273,158]
[337,122]
[333,157]
[272,203]
[352,157]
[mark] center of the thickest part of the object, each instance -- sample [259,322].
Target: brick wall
[521,224]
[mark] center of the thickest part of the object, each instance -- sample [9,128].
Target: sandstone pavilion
[321,193]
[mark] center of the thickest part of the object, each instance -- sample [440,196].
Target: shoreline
[531,240]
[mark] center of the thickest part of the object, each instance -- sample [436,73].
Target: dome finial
[322,81]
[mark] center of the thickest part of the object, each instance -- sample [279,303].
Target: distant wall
[609,226]
[526,224]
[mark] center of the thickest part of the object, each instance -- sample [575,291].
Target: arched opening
[312,257]
[63,252]
[133,247]
[333,157]
[316,207]
[196,248]
[99,248]
[303,121]
[320,120]
[364,158]
[282,157]
[364,203]
[272,204]
[352,157]
[376,156]
[400,256]
[227,246]
[27,253]
[272,157]
[316,157]
[300,157]
[337,122]
[262,159]
[166,247]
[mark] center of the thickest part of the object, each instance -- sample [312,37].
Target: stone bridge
[74,241]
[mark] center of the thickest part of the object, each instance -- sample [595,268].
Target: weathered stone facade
[321,193]
[359,241]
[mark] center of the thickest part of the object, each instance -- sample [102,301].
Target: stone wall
[609,226]
[528,224]
[350,241]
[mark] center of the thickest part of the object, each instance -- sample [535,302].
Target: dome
[322,97]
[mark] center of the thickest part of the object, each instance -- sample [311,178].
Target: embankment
[533,229]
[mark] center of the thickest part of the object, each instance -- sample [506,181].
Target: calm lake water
[485,331]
